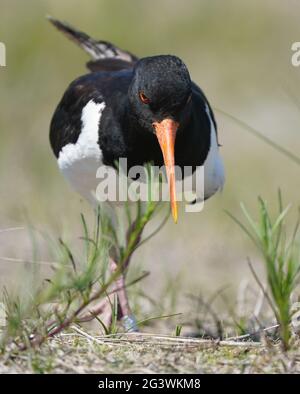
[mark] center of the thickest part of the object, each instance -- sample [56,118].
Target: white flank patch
[214,175]
[79,162]
[90,118]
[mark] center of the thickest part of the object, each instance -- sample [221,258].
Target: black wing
[196,89]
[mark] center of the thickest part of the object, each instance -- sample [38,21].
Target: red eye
[144,99]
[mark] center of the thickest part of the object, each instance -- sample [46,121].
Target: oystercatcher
[144,110]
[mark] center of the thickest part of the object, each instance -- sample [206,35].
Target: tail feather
[98,50]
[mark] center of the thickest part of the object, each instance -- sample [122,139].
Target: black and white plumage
[132,108]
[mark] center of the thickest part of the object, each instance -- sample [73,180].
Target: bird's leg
[118,287]
[125,313]
[104,307]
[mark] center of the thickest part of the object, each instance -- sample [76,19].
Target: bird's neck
[191,146]
[142,145]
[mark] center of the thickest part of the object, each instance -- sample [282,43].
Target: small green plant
[178,330]
[67,297]
[281,258]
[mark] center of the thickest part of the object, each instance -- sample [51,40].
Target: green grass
[42,325]
[77,281]
[281,260]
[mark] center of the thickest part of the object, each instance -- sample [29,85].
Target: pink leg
[129,321]
[104,306]
[121,292]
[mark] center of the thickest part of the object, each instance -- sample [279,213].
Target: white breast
[79,162]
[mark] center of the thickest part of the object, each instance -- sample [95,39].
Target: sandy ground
[147,353]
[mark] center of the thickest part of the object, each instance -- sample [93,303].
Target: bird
[147,110]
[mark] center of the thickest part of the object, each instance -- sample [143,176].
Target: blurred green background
[239,52]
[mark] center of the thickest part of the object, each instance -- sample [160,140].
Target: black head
[159,98]
[160,89]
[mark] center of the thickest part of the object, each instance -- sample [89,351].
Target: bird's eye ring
[144,99]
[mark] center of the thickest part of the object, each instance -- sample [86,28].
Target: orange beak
[166,134]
